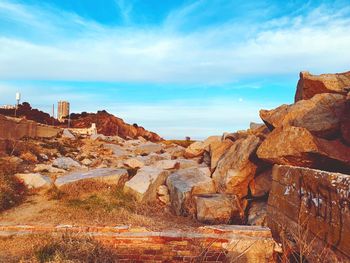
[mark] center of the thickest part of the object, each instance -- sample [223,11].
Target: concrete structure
[15,128]
[85,131]
[62,110]
[311,209]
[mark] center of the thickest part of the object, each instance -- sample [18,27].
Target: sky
[177,67]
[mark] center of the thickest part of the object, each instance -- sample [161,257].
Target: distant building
[63,111]
[8,107]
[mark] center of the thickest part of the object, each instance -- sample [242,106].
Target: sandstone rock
[345,122]
[165,199]
[194,150]
[297,146]
[184,163]
[167,164]
[197,148]
[39,168]
[183,185]
[261,184]
[29,157]
[106,175]
[148,148]
[143,186]
[44,156]
[152,158]
[100,137]
[162,190]
[310,85]
[257,214]
[175,151]
[321,115]
[118,151]
[255,126]
[235,170]
[86,162]
[68,135]
[218,209]
[235,136]
[217,150]
[35,180]
[205,170]
[134,163]
[66,163]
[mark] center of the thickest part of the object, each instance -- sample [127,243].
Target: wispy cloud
[317,40]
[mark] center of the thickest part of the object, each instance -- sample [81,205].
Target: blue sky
[180,68]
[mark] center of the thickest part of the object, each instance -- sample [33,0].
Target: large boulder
[298,147]
[183,185]
[257,214]
[134,163]
[197,148]
[106,175]
[345,122]
[310,85]
[218,209]
[217,150]
[236,168]
[65,163]
[143,186]
[34,180]
[321,115]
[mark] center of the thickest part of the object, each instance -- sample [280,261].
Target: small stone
[163,190]
[65,163]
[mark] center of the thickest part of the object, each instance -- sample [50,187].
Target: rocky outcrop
[109,125]
[184,185]
[237,168]
[297,146]
[321,115]
[312,207]
[217,150]
[310,85]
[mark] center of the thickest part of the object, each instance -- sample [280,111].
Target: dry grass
[183,143]
[64,248]
[12,191]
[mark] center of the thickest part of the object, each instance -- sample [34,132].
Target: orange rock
[310,85]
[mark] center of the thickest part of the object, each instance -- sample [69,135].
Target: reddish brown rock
[236,168]
[310,85]
[298,147]
[110,125]
[261,184]
[321,115]
[311,207]
[345,123]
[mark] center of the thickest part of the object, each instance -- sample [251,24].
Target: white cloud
[318,42]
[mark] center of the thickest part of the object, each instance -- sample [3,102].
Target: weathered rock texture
[312,206]
[297,146]
[236,169]
[143,186]
[310,85]
[183,185]
[321,115]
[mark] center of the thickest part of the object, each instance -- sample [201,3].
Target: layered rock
[310,85]
[297,146]
[183,185]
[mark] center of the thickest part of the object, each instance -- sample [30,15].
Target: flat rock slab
[65,163]
[143,186]
[35,180]
[106,175]
[147,148]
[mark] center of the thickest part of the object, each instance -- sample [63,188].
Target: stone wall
[14,129]
[206,244]
[312,208]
